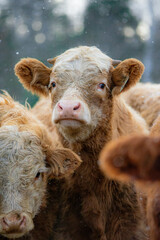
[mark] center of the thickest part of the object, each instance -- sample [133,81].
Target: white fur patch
[21,157]
[77,72]
[80,58]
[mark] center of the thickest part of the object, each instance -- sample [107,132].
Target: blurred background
[46,28]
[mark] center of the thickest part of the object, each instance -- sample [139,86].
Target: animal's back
[145,98]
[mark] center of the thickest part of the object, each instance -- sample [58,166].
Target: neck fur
[120,120]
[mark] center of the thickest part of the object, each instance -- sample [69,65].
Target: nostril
[76,107]
[4,221]
[23,222]
[15,221]
[59,105]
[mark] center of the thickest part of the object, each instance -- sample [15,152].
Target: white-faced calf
[29,161]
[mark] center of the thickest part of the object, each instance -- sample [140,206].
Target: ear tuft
[52,60]
[126,75]
[34,75]
[115,62]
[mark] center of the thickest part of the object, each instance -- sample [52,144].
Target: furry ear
[126,75]
[34,75]
[52,60]
[62,162]
[134,157]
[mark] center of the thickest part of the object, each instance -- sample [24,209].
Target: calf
[137,159]
[88,111]
[30,163]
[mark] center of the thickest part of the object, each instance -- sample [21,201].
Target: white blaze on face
[78,66]
[77,96]
[82,58]
[21,157]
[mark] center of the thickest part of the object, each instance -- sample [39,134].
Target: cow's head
[82,83]
[26,164]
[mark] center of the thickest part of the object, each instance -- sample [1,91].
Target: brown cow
[138,158]
[88,111]
[30,163]
[145,98]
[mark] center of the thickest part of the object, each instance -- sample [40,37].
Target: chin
[70,123]
[74,131]
[14,235]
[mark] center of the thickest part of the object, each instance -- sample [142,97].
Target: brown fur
[34,72]
[127,74]
[145,98]
[60,162]
[132,157]
[155,130]
[38,110]
[94,207]
[138,158]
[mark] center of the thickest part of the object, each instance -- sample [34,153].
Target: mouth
[14,235]
[70,122]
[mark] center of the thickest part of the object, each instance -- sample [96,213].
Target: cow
[31,166]
[87,110]
[145,98]
[137,159]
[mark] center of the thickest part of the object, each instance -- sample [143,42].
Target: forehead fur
[21,149]
[82,58]
[14,141]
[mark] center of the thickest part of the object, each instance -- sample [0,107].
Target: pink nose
[13,221]
[68,108]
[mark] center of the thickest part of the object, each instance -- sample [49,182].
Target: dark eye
[37,175]
[102,85]
[53,84]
